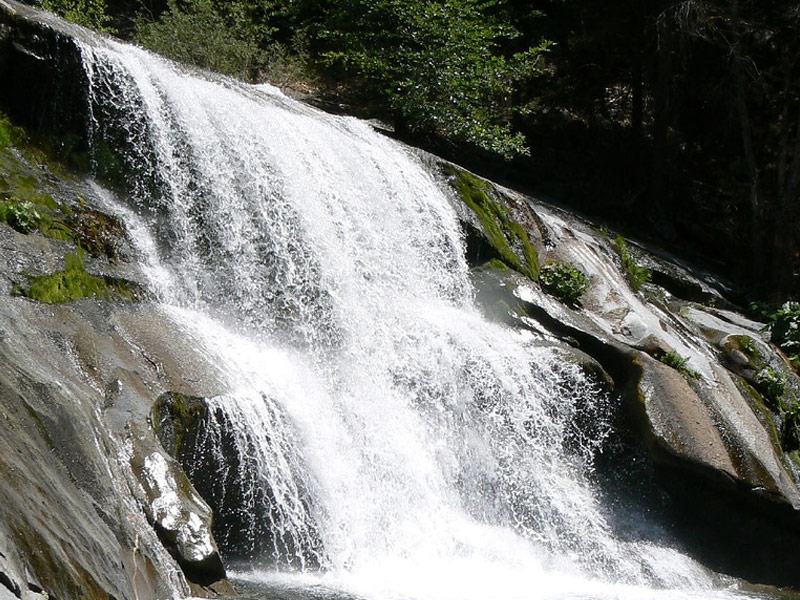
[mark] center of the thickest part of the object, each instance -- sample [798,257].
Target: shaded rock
[202,441]
[44,84]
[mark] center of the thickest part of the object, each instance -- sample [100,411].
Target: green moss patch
[9,134]
[178,419]
[506,235]
[74,283]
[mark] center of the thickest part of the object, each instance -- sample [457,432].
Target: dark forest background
[673,121]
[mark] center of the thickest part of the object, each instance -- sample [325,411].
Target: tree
[197,32]
[436,67]
[88,13]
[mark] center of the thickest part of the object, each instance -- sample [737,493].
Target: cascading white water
[389,437]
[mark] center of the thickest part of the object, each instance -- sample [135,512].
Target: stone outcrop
[697,432]
[95,387]
[91,506]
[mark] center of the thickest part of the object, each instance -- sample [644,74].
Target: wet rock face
[43,79]
[201,439]
[179,515]
[704,441]
[90,505]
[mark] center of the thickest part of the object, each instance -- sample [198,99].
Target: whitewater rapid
[392,443]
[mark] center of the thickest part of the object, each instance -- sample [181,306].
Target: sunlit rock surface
[320,309]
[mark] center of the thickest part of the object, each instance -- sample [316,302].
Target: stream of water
[391,442]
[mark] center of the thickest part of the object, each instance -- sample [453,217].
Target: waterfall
[389,440]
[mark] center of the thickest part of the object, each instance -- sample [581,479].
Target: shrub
[784,325]
[637,276]
[564,281]
[771,384]
[87,13]
[196,32]
[438,68]
[679,363]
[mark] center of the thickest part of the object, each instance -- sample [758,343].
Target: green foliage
[784,325]
[507,236]
[39,214]
[771,384]
[21,215]
[74,283]
[232,37]
[9,134]
[791,428]
[749,347]
[435,66]
[762,311]
[196,33]
[88,13]
[679,363]
[564,281]
[637,276]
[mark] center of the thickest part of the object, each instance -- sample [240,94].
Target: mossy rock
[637,275]
[98,233]
[27,204]
[74,283]
[760,409]
[743,354]
[177,420]
[506,235]
[10,135]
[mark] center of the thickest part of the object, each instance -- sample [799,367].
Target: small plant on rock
[749,347]
[679,363]
[791,428]
[637,275]
[22,215]
[771,383]
[784,325]
[564,281]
